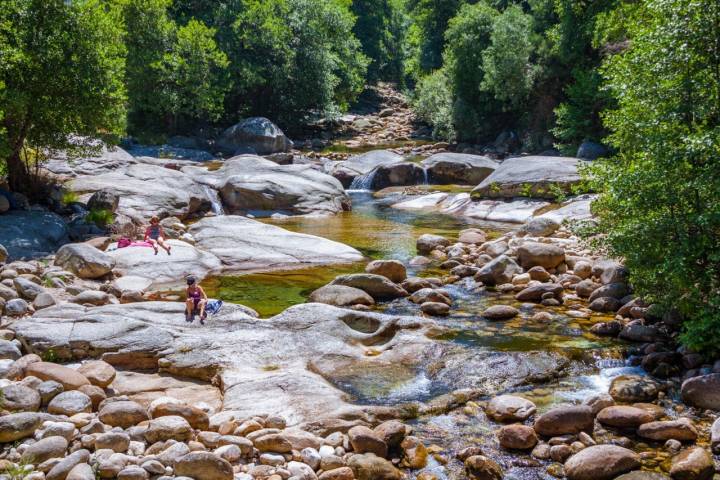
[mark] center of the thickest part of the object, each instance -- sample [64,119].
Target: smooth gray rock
[19,398]
[458,168]
[20,425]
[531,176]
[98,159]
[251,184]
[245,244]
[84,260]
[601,462]
[16,307]
[341,296]
[358,165]
[67,464]
[27,289]
[377,286]
[45,449]
[9,351]
[163,269]
[256,134]
[146,190]
[702,391]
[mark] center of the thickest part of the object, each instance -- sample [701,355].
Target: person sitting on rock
[196,301]
[156,236]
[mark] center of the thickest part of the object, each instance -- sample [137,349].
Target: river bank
[373,335]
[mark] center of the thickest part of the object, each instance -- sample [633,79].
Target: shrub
[100,217]
[660,202]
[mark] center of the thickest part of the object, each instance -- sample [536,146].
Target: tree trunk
[18,176]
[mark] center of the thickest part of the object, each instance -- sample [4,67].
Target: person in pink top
[196,301]
[156,236]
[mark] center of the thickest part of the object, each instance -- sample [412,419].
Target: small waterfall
[426,181]
[215,202]
[364,181]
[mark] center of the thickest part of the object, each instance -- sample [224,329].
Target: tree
[428,37]
[193,73]
[468,35]
[380,28]
[62,64]
[508,74]
[660,203]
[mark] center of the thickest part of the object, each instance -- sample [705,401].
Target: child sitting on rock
[196,301]
[156,236]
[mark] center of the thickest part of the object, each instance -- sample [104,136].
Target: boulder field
[143,394]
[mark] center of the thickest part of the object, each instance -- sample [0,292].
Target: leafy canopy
[62,65]
[660,193]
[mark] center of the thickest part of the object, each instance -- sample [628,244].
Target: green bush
[660,202]
[433,104]
[100,217]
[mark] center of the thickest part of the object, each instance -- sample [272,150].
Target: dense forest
[640,76]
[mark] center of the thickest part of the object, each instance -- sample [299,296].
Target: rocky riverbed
[410,312]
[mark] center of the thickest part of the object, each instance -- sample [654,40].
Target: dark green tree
[62,64]
[426,37]
[380,27]
[150,35]
[193,75]
[660,203]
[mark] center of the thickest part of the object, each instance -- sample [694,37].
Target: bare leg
[154,245]
[189,307]
[164,245]
[201,307]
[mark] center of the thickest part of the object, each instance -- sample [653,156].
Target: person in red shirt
[156,236]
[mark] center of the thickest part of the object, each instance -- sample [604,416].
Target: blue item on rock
[213,306]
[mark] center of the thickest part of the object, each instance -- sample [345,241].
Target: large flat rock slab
[146,190]
[243,244]
[251,184]
[532,176]
[461,204]
[261,365]
[163,269]
[144,387]
[100,160]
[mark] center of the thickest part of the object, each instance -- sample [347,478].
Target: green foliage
[100,217]
[427,37]
[508,74]
[69,197]
[176,75]
[468,35]
[381,28]
[578,118]
[433,104]
[49,355]
[194,70]
[19,470]
[62,66]
[659,200]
